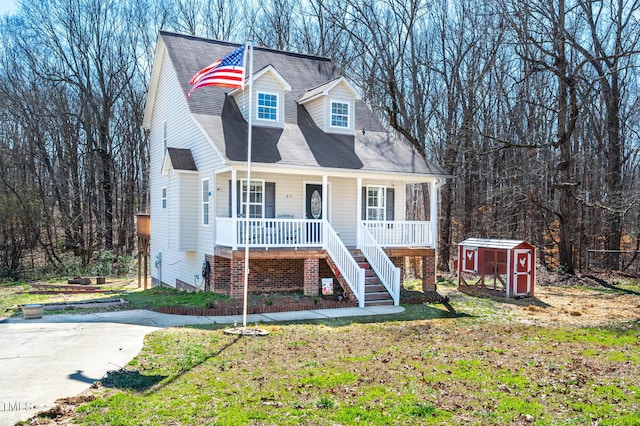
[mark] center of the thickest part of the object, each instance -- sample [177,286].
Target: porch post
[358,211]
[234,208]
[325,213]
[433,210]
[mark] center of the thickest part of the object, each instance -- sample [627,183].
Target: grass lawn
[15,294]
[481,365]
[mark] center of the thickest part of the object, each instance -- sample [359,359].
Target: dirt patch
[576,306]
[574,300]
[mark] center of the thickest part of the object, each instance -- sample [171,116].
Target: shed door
[470,259]
[522,272]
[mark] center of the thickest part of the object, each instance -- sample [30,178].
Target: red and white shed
[510,263]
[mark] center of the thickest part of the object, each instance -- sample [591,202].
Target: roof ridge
[232,44]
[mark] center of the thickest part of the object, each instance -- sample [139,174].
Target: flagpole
[246,215]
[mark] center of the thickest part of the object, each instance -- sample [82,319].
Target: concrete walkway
[58,356]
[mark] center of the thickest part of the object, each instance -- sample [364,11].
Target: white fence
[401,233]
[269,233]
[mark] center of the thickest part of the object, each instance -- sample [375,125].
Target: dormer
[269,90]
[332,106]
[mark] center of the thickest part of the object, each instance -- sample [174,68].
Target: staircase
[375,293]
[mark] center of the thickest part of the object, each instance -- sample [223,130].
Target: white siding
[320,109]
[188,200]
[169,235]
[267,83]
[316,109]
[344,214]
[289,193]
[339,93]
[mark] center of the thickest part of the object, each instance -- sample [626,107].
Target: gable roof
[286,87]
[325,88]
[300,143]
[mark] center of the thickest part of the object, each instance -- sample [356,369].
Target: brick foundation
[291,275]
[265,276]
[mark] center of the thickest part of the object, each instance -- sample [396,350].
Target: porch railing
[349,268]
[401,233]
[269,233]
[388,273]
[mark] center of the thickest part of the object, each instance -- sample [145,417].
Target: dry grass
[569,356]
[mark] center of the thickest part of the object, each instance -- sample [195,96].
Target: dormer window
[332,106]
[340,115]
[267,106]
[267,98]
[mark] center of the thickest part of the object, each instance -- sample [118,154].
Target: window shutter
[364,203]
[269,199]
[390,203]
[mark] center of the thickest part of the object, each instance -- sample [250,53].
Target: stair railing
[352,273]
[388,273]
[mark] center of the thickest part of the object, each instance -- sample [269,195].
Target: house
[328,181]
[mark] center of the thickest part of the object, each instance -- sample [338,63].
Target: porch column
[311,277]
[234,208]
[236,279]
[429,273]
[433,210]
[429,263]
[325,201]
[358,211]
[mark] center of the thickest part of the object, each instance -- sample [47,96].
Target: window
[256,198]
[165,137]
[205,201]
[339,114]
[376,202]
[164,198]
[267,106]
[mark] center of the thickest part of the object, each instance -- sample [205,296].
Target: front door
[313,210]
[313,206]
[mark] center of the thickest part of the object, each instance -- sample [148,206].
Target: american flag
[225,72]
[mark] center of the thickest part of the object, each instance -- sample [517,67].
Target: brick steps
[375,293]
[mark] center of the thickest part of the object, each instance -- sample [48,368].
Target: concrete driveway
[57,356]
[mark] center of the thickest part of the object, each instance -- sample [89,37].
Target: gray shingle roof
[182,159]
[300,142]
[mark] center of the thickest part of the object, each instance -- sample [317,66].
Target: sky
[7,6]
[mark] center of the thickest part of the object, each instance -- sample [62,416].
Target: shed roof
[181,159]
[492,243]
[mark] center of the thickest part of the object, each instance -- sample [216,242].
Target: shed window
[205,201]
[340,114]
[268,106]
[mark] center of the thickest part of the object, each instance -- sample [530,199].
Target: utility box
[506,267]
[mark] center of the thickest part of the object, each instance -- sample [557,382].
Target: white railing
[388,273]
[269,233]
[349,268]
[401,233]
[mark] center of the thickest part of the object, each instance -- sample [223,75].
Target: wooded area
[531,105]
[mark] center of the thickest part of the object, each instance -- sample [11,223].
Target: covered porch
[331,215]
